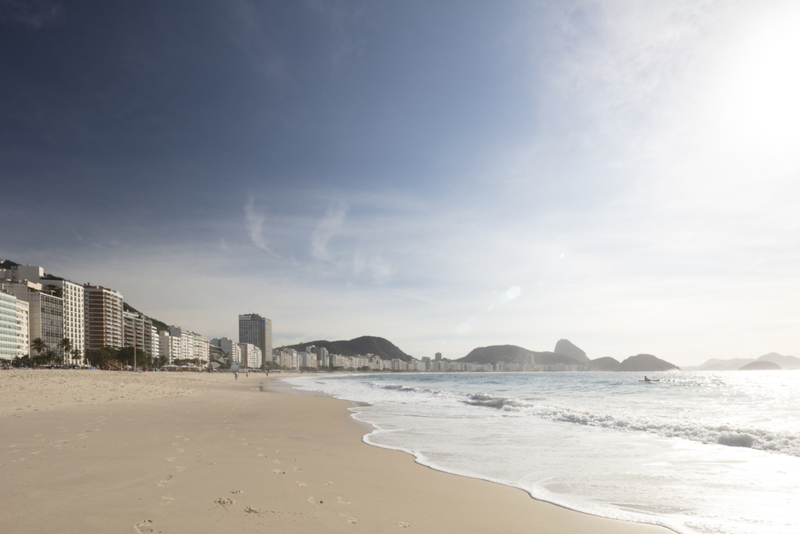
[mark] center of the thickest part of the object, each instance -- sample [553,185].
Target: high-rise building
[71,293]
[102,317]
[257,331]
[251,355]
[138,332]
[46,312]
[13,327]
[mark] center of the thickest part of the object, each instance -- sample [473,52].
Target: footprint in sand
[164,481]
[168,499]
[329,483]
[350,518]
[143,527]
[276,461]
[301,484]
[171,459]
[179,468]
[181,450]
[297,469]
[224,502]
[236,491]
[342,501]
[402,524]
[278,472]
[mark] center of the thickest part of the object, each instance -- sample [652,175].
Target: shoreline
[196,453]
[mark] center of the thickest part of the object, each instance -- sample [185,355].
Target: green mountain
[359,346]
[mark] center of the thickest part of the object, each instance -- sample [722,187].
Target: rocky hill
[359,346]
[645,363]
[498,353]
[565,347]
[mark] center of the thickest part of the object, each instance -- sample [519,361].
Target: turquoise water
[699,452]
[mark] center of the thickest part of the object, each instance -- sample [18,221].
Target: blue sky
[447,175]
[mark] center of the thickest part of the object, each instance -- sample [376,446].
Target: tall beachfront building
[71,294]
[13,327]
[104,323]
[257,331]
[46,312]
[138,332]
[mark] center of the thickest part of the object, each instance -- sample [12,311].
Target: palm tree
[65,345]
[38,345]
[76,354]
[49,356]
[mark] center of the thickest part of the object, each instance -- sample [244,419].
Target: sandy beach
[94,451]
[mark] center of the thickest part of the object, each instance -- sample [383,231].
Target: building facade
[45,313]
[13,327]
[138,332]
[103,318]
[72,295]
[257,331]
[251,356]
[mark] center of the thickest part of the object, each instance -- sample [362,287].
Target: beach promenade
[94,451]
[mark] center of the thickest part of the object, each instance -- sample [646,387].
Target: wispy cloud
[325,230]
[255,226]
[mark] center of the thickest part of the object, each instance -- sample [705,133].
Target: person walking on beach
[236,375]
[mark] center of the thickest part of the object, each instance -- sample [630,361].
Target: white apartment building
[200,349]
[251,356]
[45,313]
[170,346]
[154,341]
[70,292]
[180,344]
[13,327]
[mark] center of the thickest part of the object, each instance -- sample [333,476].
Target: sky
[444,174]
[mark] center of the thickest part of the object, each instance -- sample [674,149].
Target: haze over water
[699,452]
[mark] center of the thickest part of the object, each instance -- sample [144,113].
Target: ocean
[697,452]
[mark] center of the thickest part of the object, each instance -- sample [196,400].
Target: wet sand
[94,451]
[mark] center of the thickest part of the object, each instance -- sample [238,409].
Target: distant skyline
[446,175]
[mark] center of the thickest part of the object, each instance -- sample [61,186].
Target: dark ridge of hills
[498,353]
[646,363]
[7,264]
[567,348]
[363,345]
[606,363]
[762,365]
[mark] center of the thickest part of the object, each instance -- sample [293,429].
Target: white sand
[99,451]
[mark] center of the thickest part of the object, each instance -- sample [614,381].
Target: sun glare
[756,108]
